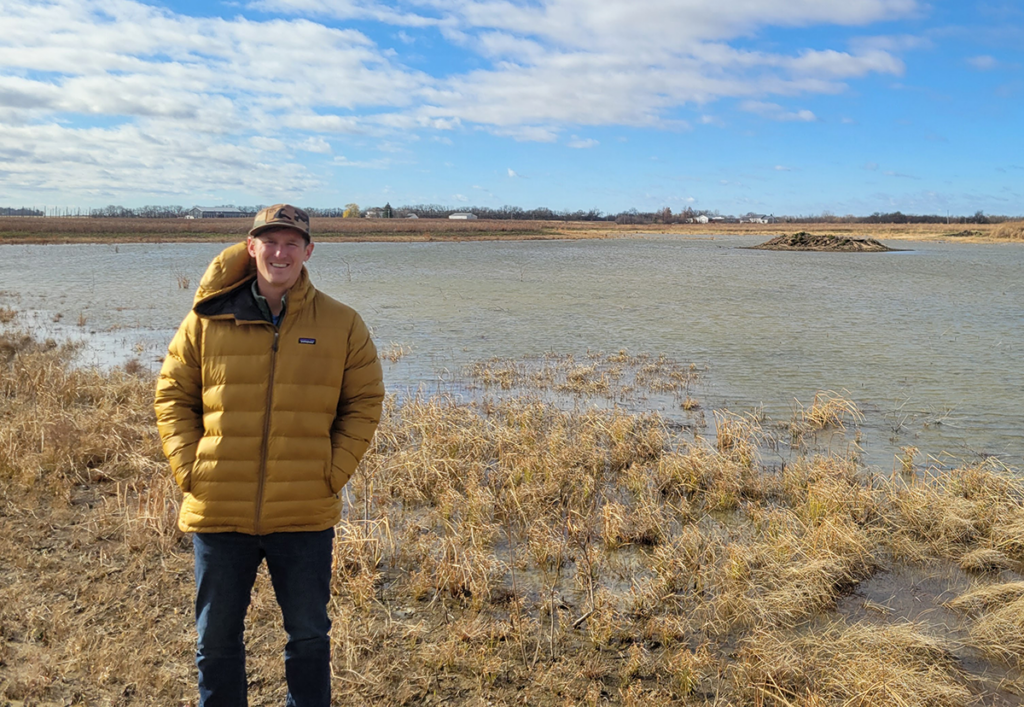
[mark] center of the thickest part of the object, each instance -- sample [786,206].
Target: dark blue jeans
[300,570]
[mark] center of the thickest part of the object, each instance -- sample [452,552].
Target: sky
[794,107]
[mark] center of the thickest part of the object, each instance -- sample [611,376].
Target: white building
[462,217]
[701,219]
[216,212]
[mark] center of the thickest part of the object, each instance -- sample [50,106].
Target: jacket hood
[233,267]
[225,272]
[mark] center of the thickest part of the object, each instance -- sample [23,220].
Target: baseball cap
[281,216]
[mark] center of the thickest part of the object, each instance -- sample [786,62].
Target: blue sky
[770,106]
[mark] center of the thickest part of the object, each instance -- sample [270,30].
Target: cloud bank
[100,99]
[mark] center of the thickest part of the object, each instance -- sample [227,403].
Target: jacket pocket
[329,477]
[183,477]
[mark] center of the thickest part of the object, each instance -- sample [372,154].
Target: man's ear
[309,251]
[250,246]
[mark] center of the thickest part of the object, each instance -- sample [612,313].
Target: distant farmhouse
[462,217]
[215,212]
[386,212]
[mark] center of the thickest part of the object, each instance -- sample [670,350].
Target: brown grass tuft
[997,611]
[828,409]
[1009,231]
[860,665]
[985,598]
[985,560]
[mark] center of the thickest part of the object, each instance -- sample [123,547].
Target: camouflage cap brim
[281,216]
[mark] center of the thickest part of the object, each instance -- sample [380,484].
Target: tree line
[507,213]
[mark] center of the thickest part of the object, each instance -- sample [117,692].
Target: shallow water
[927,342]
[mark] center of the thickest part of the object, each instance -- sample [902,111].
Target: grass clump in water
[859,664]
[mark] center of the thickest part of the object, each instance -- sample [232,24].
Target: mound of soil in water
[832,244]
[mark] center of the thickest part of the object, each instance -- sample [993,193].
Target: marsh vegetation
[544,541]
[17,229]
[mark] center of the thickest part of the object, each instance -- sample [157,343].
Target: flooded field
[644,472]
[926,342]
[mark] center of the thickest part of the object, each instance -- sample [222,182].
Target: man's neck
[273,295]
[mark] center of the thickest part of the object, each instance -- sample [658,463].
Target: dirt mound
[832,244]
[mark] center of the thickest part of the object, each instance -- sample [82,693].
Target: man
[267,400]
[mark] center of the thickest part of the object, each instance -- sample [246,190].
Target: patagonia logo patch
[307,341]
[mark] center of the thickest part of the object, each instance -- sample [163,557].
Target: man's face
[279,256]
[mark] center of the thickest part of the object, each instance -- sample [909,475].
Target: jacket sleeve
[359,405]
[179,400]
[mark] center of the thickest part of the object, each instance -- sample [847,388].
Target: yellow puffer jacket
[263,425]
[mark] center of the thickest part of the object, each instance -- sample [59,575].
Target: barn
[216,212]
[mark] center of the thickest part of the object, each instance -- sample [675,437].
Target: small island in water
[831,244]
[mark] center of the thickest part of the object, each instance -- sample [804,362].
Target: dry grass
[997,611]
[985,598]
[1009,231]
[7,315]
[34,230]
[985,559]
[619,377]
[972,509]
[829,409]
[393,352]
[183,280]
[507,551]
[860,665]
[38,230]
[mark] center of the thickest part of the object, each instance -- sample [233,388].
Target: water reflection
[928,342]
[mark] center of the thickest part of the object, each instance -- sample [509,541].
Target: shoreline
[47,230]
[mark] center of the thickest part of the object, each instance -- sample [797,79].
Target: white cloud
[570,62]
[345,10]
[179,100]
[172,96]
[460,197]
[983,62]
[270,144]
[891,43]
[783,168]
[315,144]
[774,111]
[643,23]
[100,163]
[512,173]
[527,133]
[343,161]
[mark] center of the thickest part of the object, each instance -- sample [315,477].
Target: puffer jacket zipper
[266,434]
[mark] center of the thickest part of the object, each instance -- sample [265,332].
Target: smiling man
[267,400]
